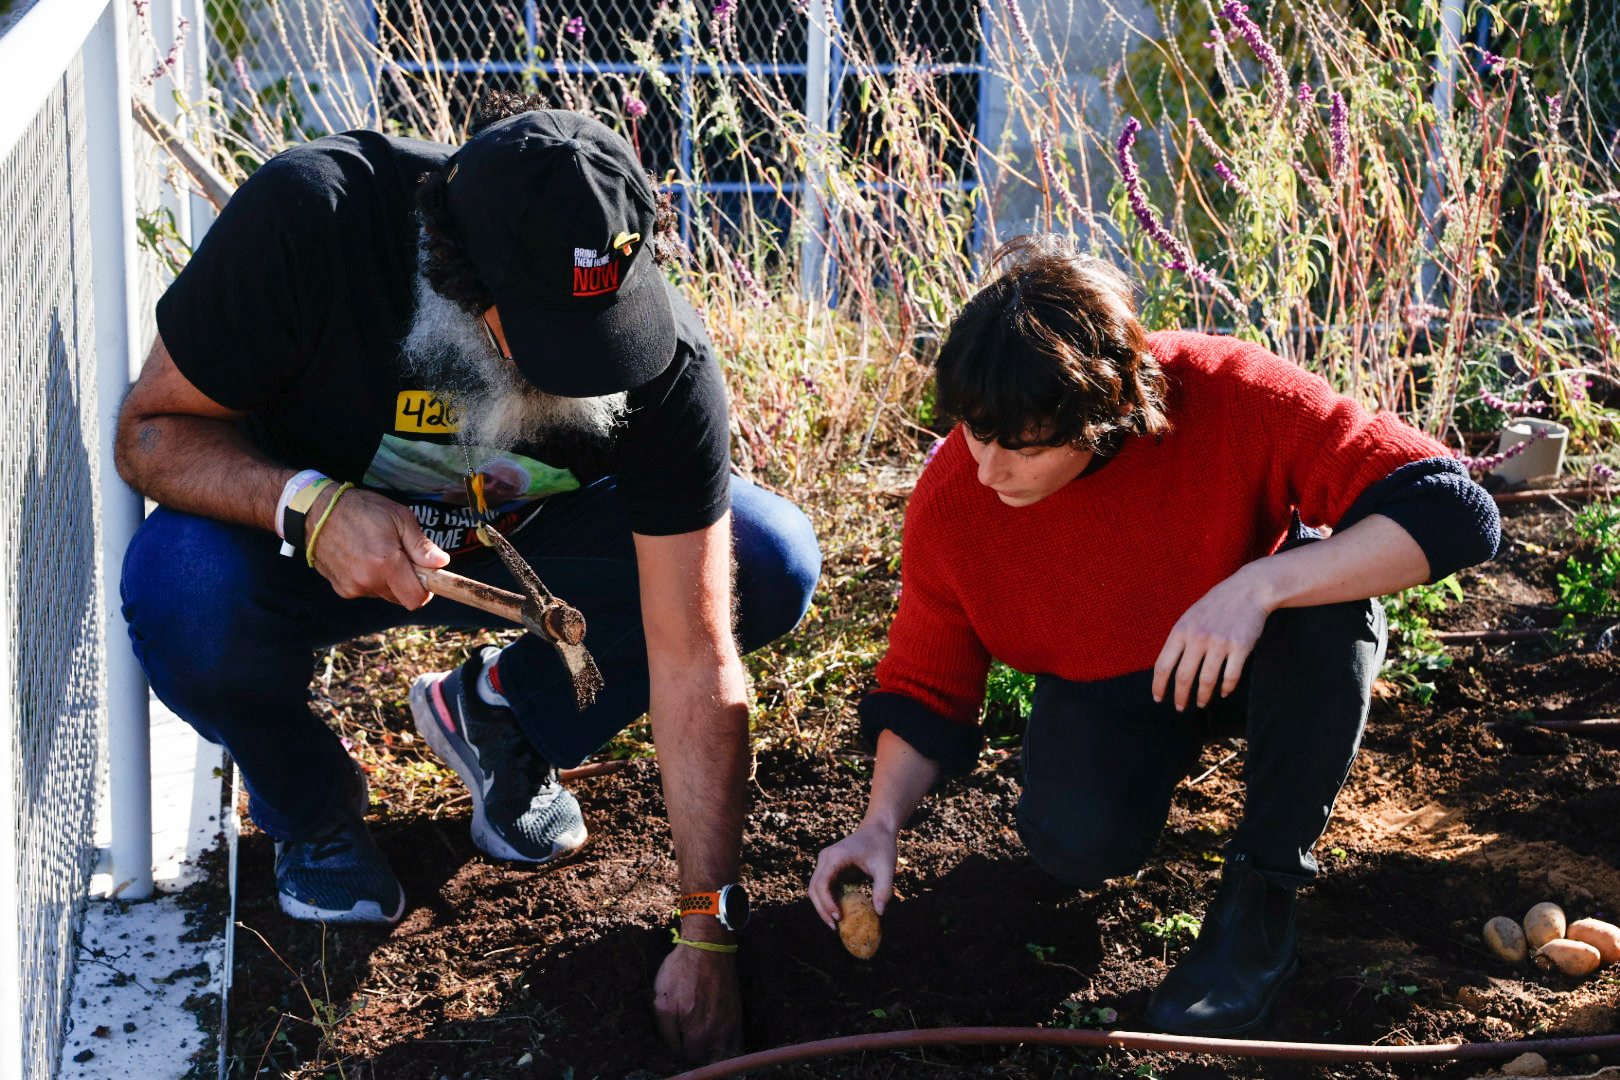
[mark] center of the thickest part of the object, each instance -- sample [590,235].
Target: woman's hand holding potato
[900,778]
[871,849]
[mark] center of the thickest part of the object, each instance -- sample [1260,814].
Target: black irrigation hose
[1141,1040]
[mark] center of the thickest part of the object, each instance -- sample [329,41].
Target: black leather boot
[1244,956]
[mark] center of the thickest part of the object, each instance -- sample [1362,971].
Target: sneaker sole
[426,720]
[365,913]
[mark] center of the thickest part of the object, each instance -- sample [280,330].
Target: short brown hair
[1049,353]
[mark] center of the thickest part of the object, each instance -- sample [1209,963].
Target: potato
[1570,957]
[1602,936]
[858,923]
[1506,940]
[1543,923]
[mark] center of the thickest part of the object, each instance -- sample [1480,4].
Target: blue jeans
[227,629]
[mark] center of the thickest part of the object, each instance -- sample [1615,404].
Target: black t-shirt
[292,310]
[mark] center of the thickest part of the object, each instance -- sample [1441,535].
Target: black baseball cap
[557,217]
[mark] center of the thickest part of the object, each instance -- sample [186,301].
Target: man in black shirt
[381,343]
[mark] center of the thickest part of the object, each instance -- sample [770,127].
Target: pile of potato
[1575,948]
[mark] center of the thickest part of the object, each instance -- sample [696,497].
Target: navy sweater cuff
[953,747]
[1453,519]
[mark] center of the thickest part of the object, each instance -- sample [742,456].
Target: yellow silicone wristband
[706,946]
[309,541]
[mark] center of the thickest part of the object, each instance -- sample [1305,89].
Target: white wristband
[292,487]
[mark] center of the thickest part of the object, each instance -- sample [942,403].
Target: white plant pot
[1543,460]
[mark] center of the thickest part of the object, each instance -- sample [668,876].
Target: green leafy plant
[1173,927]
[1389,988]
[1386,983]
[1089,1016]
[155,231]
[1008,697]
[1587,585]
[1414,651]
[1043,953]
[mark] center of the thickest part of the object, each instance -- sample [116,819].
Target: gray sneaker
[520,811]
[335,873]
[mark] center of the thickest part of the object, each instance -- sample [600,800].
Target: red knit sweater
[1087,583]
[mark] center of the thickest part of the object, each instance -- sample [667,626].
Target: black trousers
[1102,759]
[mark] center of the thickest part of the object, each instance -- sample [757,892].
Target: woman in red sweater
[1128,517]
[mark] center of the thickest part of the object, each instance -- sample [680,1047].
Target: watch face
[734,907]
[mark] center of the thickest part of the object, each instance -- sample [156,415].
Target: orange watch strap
[698,903]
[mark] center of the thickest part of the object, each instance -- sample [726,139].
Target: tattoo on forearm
[149,437]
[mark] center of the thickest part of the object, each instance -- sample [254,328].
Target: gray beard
[449,353]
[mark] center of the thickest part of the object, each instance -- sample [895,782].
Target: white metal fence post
[1447,49]
[165,16]
[112,239]
[817,101]
[196,91]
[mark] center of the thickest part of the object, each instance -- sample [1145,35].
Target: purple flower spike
[724,9]
[1222,170]
[1043,156]
[756,292]
[1603,470]
[1555,288]
[1491,461]
[1305,98]
[634,107]
[1490,63]
[1339,133]
[575,28]
[1180,257]
[1237,14]
[1512,408]
[1021,27]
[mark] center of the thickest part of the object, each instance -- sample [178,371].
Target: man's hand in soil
[371,546]
[695,997]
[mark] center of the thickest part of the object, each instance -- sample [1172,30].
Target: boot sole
[426,720]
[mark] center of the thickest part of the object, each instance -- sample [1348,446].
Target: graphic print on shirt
[431,476]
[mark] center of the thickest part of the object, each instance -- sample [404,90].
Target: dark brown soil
[1455,812]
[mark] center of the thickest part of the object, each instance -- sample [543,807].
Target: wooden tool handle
[556,622]
[508,605]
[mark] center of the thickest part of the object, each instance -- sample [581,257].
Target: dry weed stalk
[1290,182]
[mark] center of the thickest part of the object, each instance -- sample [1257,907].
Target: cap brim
[575,353]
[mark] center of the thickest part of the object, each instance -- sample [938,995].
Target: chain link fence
[665,74]
[52,583]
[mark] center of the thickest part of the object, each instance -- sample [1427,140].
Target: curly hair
[1049,353]
[444,257]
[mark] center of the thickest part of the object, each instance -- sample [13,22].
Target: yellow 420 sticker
[423,412]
